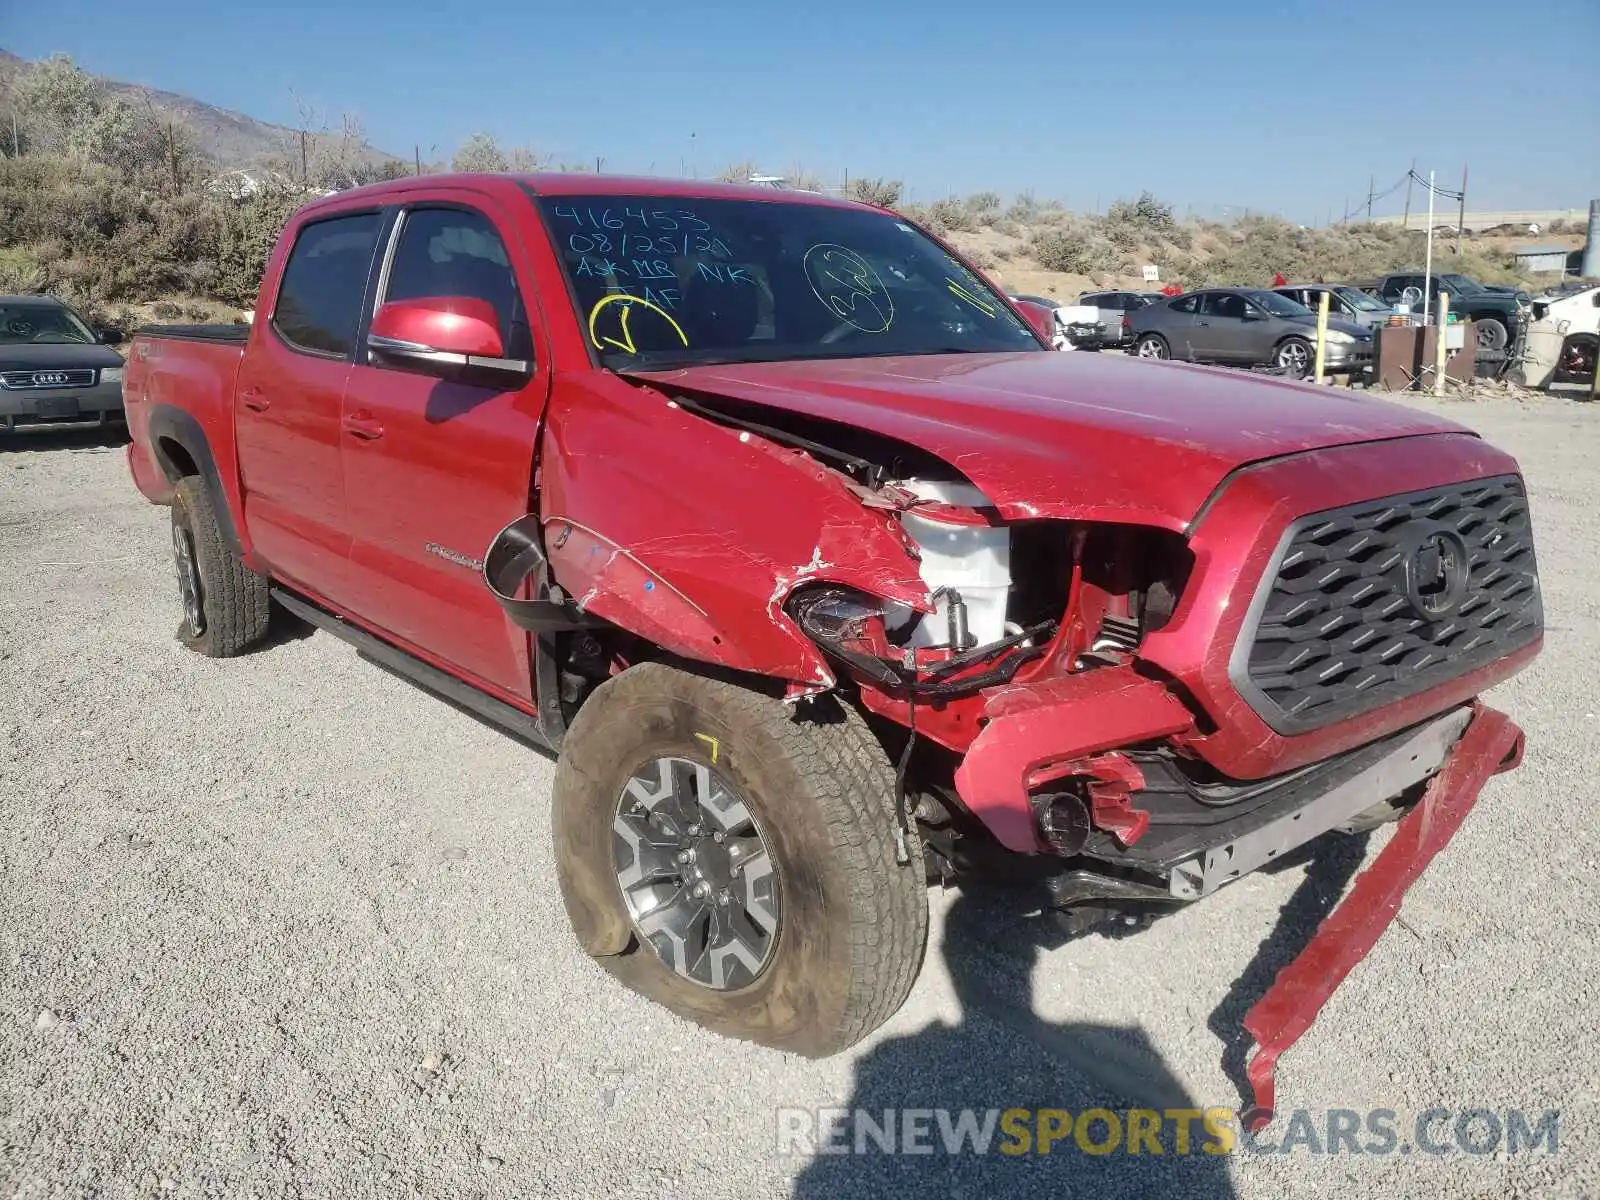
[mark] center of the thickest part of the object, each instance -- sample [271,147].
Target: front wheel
[1152,345]
[732,858]
[1293,357]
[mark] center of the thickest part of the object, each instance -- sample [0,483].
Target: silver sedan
[1247,327]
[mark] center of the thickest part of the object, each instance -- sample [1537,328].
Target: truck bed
[177,376]
[196,333]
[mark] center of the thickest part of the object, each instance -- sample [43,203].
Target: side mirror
[1042,319]
[453,337]
[111,336]
[1253,314]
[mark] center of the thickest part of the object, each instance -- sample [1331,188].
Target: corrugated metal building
[1542,260]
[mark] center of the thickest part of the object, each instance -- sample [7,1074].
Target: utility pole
[304,169]
[16,146]
[1462,218]
[1427,273]
[1372,184]
[416,157]
[1405,222]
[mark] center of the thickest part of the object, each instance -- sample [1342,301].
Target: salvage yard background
[287,926]
[137,205]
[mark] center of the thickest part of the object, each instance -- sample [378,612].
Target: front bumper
[1042,734]
[30,405]
[1347,359]
[1492,744]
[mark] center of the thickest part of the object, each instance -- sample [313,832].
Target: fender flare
[174,424]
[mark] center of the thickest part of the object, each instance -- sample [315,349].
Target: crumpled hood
[1092,436]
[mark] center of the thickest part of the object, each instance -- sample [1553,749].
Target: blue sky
[1287,106]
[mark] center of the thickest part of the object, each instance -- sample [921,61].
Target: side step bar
[507,717]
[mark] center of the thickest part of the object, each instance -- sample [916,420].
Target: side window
[453,252]
[1225,306]
[319,301]
[1189,304]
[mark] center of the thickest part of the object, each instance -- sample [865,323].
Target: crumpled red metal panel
[1039,726]
[693,535]
[1492,743]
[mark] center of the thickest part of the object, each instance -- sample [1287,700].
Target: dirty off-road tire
[675,797]
[225,606]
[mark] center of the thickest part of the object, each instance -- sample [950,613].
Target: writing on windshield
[659,280]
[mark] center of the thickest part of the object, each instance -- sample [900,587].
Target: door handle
[363,425]
[255,399]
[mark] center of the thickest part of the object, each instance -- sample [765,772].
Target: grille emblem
[47,378]
[1437,573]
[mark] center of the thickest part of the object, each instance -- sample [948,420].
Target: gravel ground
[287,925]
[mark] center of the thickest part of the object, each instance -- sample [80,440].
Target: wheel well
[176,459]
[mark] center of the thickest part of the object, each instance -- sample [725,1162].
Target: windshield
[1460,283]
[40,323]
[1279,306]
[1360,301]
[661,280]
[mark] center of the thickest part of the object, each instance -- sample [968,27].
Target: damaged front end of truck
[1146,678]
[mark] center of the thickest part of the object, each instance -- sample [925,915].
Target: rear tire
[1576,363]
[225,604]
[841,927]
[1152,345]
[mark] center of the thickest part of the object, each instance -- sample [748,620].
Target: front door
[1220,330]
[434,469]
[287,397]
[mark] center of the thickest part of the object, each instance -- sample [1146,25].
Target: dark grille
[17,380]
[1343,627]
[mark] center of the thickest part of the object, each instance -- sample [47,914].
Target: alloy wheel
[187,569]
[695,873]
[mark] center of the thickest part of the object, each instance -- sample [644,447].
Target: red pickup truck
[824,575]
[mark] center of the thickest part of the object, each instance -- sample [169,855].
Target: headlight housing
[1338,337]
[111,375]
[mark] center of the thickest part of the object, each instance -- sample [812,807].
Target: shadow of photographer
[1001,1056]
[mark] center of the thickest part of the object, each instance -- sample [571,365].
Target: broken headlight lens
[847,624]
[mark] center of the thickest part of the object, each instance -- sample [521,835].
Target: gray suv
[1113,306]
[1247,327]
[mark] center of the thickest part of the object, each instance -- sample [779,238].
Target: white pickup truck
[1563,340]
[1077,325]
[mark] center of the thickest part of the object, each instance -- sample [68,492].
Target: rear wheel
[1152,345]
[224,604]
[1577,358]
[732,858]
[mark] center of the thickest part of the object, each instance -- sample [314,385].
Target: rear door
[287,399]
[434,469]
[1177,323]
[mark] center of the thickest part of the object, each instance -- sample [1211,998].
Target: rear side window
[1187,305]
[453,252]
[319,301]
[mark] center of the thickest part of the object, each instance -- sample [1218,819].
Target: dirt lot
[287,926]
